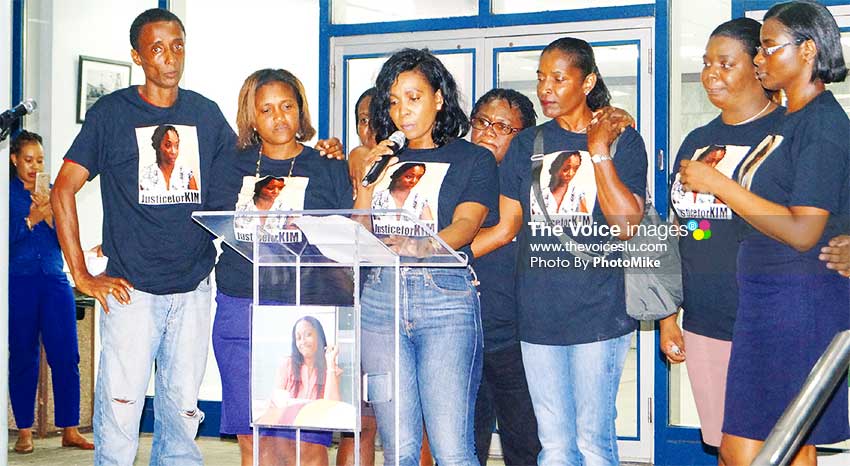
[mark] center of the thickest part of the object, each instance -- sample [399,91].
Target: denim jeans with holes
[172,330]
[440,360]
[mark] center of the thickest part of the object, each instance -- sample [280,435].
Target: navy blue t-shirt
[708,263]
[316,183]
[805,163]
[560,304]
[148,232]
[497,275]
[441,178]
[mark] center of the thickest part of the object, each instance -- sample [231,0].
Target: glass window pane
[371,11]
[362,71]
[527,6]
[692,23]
[842,90]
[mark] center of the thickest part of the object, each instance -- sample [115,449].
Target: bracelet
[599,158]
[28,222]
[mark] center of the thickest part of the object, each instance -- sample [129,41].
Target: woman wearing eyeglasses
[497,117]
[792,192]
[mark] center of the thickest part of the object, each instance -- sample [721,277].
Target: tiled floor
[216,453]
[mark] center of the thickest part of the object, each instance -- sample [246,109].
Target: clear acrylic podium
[311,262]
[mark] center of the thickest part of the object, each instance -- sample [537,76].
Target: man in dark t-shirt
[155,292]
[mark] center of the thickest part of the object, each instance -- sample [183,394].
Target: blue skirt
[790,306]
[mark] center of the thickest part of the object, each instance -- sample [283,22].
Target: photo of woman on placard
[165,174]
[311,372]
[399,195]
[562,196]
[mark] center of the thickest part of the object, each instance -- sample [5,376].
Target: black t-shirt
[497,275]
[708,263]
[441,179]
[804,163]
[148,232]
[316,183]
[560,304]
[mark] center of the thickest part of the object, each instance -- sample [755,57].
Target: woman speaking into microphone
[441,339]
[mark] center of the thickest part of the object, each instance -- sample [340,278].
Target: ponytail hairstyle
[581,56]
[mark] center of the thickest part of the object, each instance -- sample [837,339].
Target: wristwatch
[599,158]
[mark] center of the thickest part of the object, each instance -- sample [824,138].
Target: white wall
[225,43]
[97,28]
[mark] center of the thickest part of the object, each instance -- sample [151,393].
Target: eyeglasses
[768,51]
[501,128]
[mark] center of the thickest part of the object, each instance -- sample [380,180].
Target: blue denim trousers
[440,361]
[172,330]
[574,390]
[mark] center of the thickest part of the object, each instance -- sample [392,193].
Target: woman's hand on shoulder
[607,124]
[837,255]
[330,148]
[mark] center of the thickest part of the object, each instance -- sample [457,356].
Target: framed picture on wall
[98,77]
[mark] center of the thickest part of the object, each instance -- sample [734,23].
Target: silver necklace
[754,117]
[260,157]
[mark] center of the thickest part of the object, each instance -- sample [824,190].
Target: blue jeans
[574,390]
[440,360]
[173,330]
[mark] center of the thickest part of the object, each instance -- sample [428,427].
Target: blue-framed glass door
[356,64]
[477,55]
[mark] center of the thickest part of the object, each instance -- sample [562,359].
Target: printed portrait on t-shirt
[301,367]
[169,165]
[756,159]
[264,194]
[567,186]
[411,186]
[691,204]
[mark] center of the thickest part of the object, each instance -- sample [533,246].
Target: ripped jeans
[173,330]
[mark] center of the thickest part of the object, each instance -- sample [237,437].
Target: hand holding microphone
[388,148]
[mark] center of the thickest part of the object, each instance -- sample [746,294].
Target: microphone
[398,141]
[10,116]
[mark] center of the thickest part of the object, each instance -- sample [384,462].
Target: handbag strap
[571,245]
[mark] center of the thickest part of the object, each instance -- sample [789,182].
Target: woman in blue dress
[792,192]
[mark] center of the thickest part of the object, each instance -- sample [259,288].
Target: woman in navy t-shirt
[440,338]
[708,264]
[573,325]
[270,170]
[792,192]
